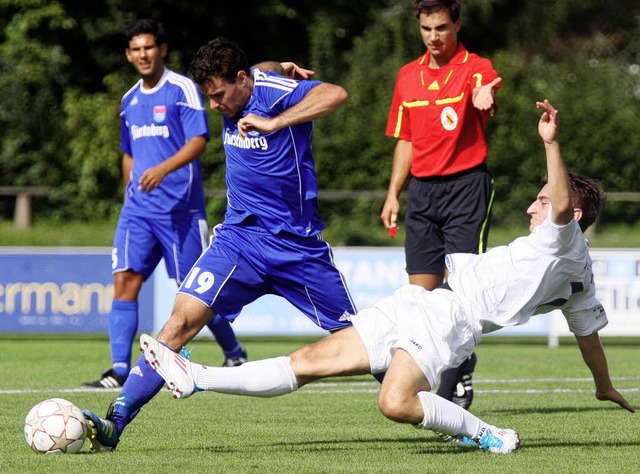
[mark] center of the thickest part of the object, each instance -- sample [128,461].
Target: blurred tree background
[63,72]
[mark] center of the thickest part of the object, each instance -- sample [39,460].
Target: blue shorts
[140,243]
[245,262]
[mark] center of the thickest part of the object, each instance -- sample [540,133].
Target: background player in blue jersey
[164,130]
[270,241]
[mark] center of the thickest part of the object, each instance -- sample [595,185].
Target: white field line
[373,387]
[337,387]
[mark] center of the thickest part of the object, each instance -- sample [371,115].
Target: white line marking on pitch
[373,387]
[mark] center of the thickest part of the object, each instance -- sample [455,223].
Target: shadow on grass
[529,444]
[550,411]
[420,446]
[417,446]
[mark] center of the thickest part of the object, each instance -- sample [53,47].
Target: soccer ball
[55,426]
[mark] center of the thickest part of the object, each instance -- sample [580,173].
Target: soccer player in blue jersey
[164,131]
[271,239]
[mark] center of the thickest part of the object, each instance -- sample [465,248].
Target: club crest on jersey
[449,119]
[159,113]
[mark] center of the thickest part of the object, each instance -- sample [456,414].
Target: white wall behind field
[373,273]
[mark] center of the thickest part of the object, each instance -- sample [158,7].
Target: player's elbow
[341,95]
[334,94]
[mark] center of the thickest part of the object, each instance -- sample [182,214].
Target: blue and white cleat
[237,359]
[173,368]
[103,435]
[499,440]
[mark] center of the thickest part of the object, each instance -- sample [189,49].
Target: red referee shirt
[433,109]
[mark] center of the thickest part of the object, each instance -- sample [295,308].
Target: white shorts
[430,325]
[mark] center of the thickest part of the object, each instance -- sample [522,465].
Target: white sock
[444,416]
[261,378]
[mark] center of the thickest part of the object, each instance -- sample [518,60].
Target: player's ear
[577,214]
[164,49]
[242,77]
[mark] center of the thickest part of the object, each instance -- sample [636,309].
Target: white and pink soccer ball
[55,426]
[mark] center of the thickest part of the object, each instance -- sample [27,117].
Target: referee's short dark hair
[431,6]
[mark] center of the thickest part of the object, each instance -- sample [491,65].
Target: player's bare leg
[187,319]
[341,353]
[398,399]
[405,397]
[428,281]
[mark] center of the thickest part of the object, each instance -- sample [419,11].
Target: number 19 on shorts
[203,281]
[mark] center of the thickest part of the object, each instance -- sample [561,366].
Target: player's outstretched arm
[557,176]
[594,356]
[319,101]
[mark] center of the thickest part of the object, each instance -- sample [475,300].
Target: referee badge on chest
[159,113]
[449,119]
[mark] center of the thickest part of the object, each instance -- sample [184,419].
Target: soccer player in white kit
[415,334]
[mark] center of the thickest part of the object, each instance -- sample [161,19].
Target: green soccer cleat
[103,435]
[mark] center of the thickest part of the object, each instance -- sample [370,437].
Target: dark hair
[431,6]
[146,26]
[587,195]
[219,58]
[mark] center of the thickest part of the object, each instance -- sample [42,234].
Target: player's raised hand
[549,122]
[294,71]
[483,97]
[614,396]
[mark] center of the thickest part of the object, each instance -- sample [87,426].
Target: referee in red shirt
[441,104]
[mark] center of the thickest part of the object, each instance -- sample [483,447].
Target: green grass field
[333,426]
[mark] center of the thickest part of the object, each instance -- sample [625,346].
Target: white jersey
[546,270]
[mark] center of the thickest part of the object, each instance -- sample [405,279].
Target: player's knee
[126,285]
[393,405]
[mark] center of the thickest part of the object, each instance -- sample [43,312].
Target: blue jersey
[271,179]
[156,123]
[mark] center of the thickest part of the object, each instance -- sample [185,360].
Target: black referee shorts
[446,215]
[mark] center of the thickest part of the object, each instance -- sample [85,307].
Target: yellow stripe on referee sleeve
[478,78]
[396,132]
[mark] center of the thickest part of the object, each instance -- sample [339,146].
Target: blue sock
[123,324]
[223,332]
[141,386]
